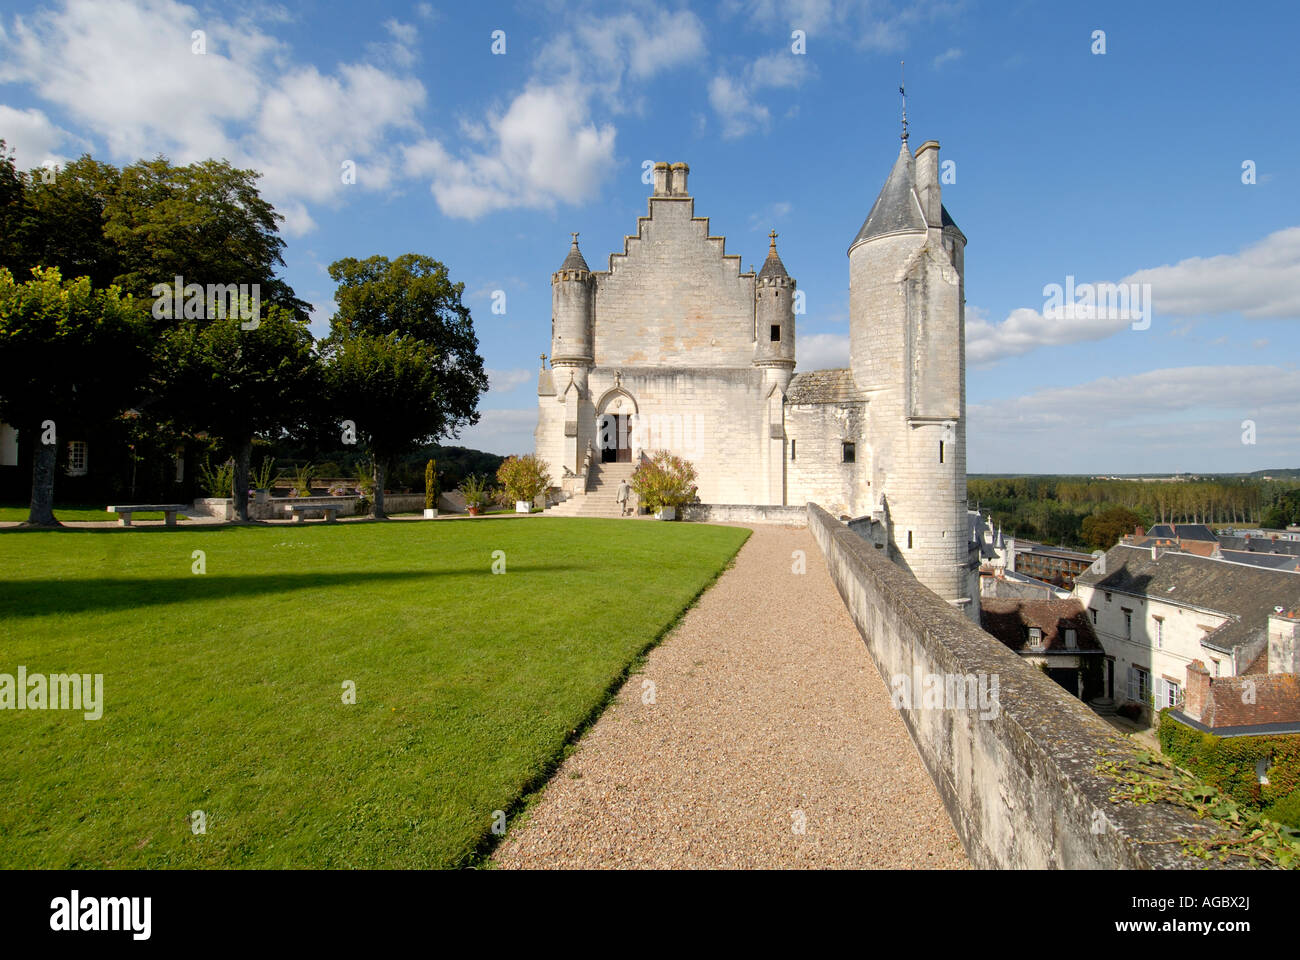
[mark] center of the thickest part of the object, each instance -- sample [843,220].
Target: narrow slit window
[941,451]
[792,443]
[776,333]
[909,539]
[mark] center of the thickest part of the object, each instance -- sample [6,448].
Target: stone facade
[673,347]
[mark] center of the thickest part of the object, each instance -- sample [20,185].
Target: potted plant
[664,483]
[523,480]
[430,491]
[475,489]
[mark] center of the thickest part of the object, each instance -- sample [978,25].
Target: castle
[673,347]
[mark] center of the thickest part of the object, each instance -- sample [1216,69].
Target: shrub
[219,482]
[523,478]
[1229,763]
[302,481]
[1286,811]
[664,480]
[475,489]
[264,474]
[430,486]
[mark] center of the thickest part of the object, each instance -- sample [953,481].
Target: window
[1139,684]
[78,455]
[1093,611]
[1128,624]
[849,454]
[1108,598]
[776,333]
[1216,666]
[941,451]
[1160,632]
[792,449]
[1171,693]
[909,539]
[1036,638]
[1071,638]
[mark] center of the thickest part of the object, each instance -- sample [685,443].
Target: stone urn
[431,513]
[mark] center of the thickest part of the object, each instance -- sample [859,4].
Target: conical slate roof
[772,266]
[575,261]
[896,210]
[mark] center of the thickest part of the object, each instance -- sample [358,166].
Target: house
[1055,635]
[1156,611]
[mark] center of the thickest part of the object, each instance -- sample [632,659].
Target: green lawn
[223,691]
[78,513]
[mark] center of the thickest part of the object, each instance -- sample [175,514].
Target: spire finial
[902,90]
[575,238]
[772,237]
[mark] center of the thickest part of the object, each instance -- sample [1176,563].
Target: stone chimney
[1139,532]
[677,180]
[1284,641]
[661,179]
[1197,696]
[926,172]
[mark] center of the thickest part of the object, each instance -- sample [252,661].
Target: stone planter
[523,506]
[666,513]
[473,511]
[430,514]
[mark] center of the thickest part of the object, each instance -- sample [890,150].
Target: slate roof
[823,386]
[772,266]
[1246,594]
[896,209]
[575,260]
[1261,545]
[1182,531]
[1274,561]
[1010,619]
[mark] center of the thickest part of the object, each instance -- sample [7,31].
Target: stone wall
[745,513]
[1019,777]
[817,470]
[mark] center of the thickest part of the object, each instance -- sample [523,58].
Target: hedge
[1229,763]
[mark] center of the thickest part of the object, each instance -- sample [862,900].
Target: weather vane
[901,85]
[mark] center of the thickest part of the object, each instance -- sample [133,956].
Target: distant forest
[1085,513]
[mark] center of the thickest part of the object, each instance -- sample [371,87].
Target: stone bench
[299,513]
[124,511]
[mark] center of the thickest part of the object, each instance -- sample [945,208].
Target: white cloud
[875,26]
[501,431]
[503,381]
[34,138]
[948,56]
[243,99]
[822,351]
[1260,282]
[733,98]
[1187,418]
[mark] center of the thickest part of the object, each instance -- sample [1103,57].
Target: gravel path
[767,715]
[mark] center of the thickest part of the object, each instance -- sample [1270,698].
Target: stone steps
[599,501]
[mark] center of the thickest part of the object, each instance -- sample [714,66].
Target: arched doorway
[615,421]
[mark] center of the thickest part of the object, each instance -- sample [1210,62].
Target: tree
[1103,530]
[523,478]
[14,210]
[388,387]
[413,297]
[64,222]
[238,383]
[402,356]
[71,356]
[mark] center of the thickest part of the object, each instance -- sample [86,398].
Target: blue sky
[1122,166]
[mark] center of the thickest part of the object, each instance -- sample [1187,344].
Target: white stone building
[673,347]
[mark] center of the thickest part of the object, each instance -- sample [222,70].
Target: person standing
[622,495]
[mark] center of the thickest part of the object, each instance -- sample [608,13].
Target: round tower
[774,317]
[572,299]
[907,350]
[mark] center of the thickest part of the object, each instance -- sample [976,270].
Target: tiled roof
[1261,545]
[1182,531]
[823,386]
[1246,594]
[1009,620]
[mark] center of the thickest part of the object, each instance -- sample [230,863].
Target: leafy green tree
[64,222]
[237,383]
[402,356]
[388,387]
[71,357]
[1102,530]
[14,210]
[413,297]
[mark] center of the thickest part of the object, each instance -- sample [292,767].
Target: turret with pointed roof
[774,315]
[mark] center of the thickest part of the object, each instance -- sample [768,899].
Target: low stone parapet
[745,513]
[1014,757]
